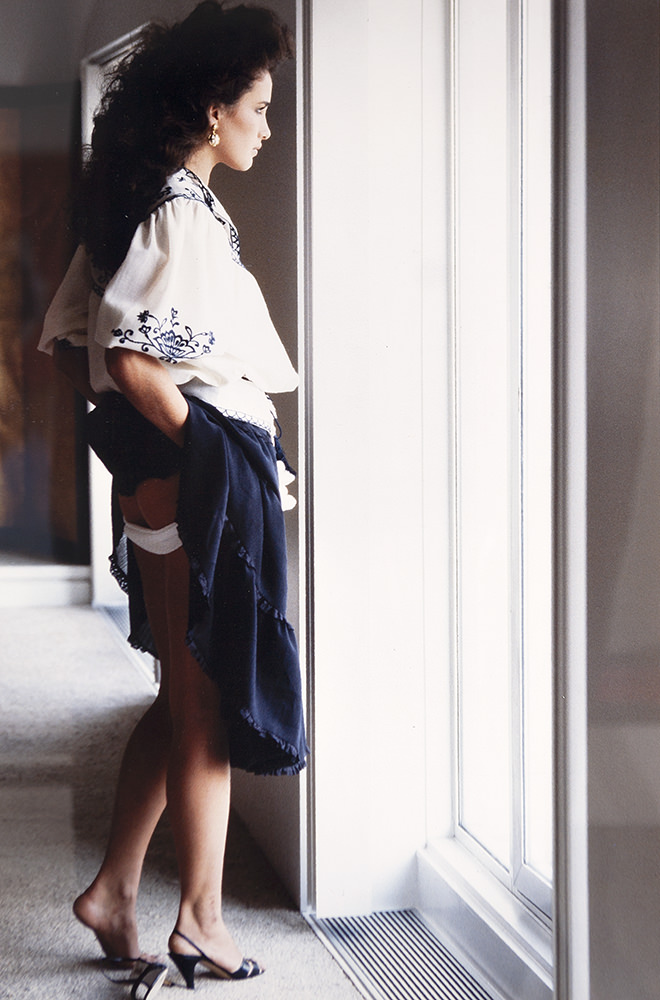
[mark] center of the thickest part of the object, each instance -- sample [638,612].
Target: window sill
[498,939]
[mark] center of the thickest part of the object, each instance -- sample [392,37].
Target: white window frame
[529,346]
[510,944]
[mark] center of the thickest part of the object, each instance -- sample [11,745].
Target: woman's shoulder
[184,200]
[185,187]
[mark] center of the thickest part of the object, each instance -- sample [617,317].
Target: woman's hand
[147,386]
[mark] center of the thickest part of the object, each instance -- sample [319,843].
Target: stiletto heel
[186,964]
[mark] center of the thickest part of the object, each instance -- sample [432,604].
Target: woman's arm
[146,384]
[74,363]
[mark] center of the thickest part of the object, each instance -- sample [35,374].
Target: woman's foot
[187,964]
[218,945]
[112,919]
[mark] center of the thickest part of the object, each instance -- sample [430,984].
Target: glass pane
[504,431]
[483,424]
[537,441]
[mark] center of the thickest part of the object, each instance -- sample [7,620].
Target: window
[502,358]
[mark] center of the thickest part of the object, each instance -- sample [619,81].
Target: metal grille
[394,956]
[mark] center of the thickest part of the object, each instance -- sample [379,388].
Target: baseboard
[25,585]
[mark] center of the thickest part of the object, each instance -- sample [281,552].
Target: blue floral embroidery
[166,337]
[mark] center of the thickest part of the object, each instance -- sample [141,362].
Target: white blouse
[182,296]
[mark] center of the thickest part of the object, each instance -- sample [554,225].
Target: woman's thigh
[194,698]
[154,503]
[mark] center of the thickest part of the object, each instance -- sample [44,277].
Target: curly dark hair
[154,113]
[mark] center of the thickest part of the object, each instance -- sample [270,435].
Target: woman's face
[242,127]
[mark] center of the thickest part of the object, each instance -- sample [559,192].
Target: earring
[213,136]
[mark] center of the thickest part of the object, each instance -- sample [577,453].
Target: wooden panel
[43,460]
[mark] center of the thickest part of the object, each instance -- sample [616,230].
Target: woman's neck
[202,162]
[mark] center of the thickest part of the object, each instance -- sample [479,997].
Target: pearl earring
[213,136]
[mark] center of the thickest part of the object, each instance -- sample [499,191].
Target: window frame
[532,888]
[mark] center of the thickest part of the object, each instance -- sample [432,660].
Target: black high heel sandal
[186,964]
[145,982]
[151,980]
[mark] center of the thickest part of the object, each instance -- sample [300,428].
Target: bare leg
[198,786]
[108,905]
[198,775]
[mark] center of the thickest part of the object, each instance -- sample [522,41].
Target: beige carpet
[69,695]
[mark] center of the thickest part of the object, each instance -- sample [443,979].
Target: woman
[161,326]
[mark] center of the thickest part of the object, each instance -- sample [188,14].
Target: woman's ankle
[112,888]
[206,931]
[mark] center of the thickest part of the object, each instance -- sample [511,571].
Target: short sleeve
[165,298]
[67,315]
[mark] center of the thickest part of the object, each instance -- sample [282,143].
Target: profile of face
[242,127]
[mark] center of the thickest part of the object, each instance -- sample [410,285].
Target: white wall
[366,385]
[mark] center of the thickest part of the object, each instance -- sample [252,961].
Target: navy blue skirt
[232,527]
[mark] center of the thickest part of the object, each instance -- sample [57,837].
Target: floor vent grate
[394,956]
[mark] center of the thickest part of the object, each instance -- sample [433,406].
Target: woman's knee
[158,717]
[194,701]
